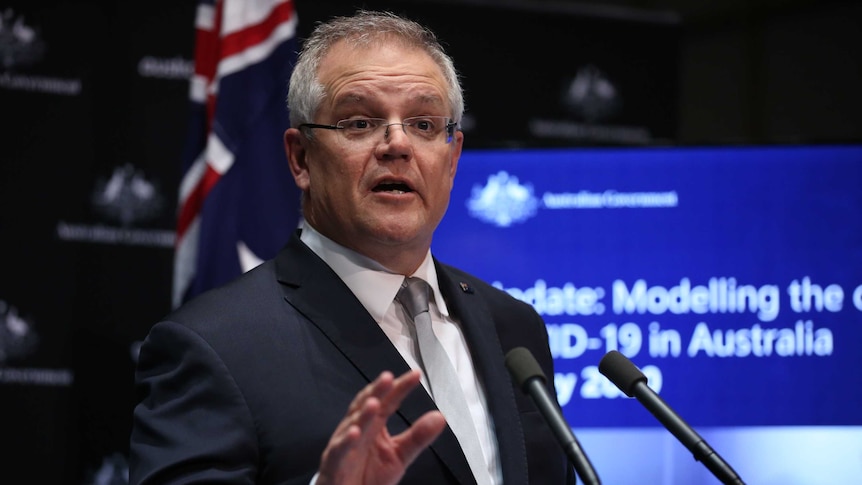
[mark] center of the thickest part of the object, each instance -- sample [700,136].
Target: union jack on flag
[238,203]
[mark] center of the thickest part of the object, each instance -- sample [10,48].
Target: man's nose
[389,126]
[396,134]
[396,142]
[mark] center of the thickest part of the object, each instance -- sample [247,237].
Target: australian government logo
[504,200]
[19,341]
[22,46]
[123,201]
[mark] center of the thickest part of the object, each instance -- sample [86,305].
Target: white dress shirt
[375,287]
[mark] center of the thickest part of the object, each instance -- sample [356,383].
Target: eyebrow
[355,98]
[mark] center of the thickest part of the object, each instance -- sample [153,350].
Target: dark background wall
[103,97]
[772,72]
[763,71]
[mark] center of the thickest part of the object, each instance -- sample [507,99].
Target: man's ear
[295,149]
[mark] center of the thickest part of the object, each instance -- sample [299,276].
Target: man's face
[391,194]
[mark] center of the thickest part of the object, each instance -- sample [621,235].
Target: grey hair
[362,29]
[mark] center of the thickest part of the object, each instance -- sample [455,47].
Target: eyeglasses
[363,131]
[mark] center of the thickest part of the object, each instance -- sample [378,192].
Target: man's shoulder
[231,300]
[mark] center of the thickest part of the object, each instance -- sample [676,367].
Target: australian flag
[238,203]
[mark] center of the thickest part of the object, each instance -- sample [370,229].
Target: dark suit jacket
[246,383]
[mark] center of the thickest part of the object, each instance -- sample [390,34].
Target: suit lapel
[314,290]
[487,353]
[311,287]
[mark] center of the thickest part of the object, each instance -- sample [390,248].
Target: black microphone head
[523,366]
[621,371]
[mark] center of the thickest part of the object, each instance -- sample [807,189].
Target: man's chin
[399,233]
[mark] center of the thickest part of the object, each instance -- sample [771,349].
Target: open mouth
[392,187]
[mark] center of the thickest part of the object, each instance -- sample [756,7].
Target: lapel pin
[466,288]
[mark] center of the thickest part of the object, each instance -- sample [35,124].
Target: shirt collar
[374,285]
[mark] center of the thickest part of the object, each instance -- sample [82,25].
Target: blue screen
[731,276]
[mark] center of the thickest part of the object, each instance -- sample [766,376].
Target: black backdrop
[93,97]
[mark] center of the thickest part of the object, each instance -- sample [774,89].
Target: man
[287,375]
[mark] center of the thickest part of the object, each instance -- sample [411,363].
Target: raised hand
[361,451]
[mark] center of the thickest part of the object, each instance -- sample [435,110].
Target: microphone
[629,379]
[527,374]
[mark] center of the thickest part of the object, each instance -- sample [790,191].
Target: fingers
[419,436]
[367,414]
[376,389]
[350,447]
[380,399]
[401,387]
[385,390]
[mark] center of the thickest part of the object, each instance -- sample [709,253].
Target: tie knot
[413,295]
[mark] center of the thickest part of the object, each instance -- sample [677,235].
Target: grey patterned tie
[442,378]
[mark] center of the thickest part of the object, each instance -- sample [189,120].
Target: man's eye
[359,124]
[424,125]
